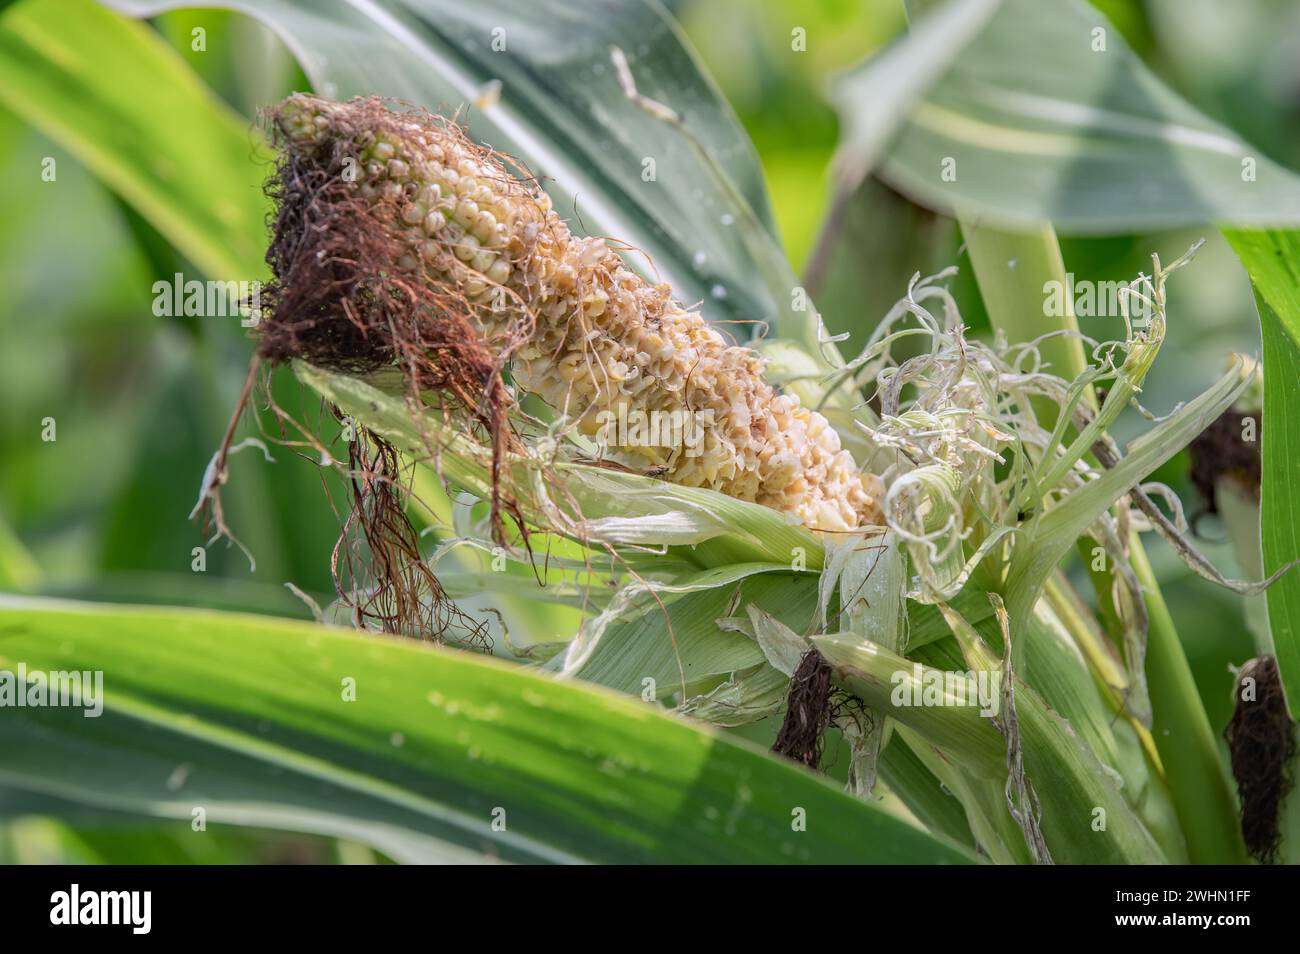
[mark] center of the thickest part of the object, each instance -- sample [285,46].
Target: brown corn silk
[1261,744]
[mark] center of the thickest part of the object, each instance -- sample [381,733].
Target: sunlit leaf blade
[875,100]
[119,99]
[247,718]
[1273,261]
[1048,115]
[618,168]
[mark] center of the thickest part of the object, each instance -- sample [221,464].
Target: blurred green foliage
[776,78]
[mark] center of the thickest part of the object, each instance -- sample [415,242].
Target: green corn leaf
[119,99]
[1272,259]
[246,718]
[1054,667]
[984,801]
[908,778]
[1071,784]
[1045,114]
[894,80]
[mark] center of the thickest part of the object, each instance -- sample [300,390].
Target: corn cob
[583,331]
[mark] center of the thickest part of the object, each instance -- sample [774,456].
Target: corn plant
[614,499]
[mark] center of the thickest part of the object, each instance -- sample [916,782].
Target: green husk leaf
[721,529]
[661,647]
[782,647]
[747,696]
[1071,783]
